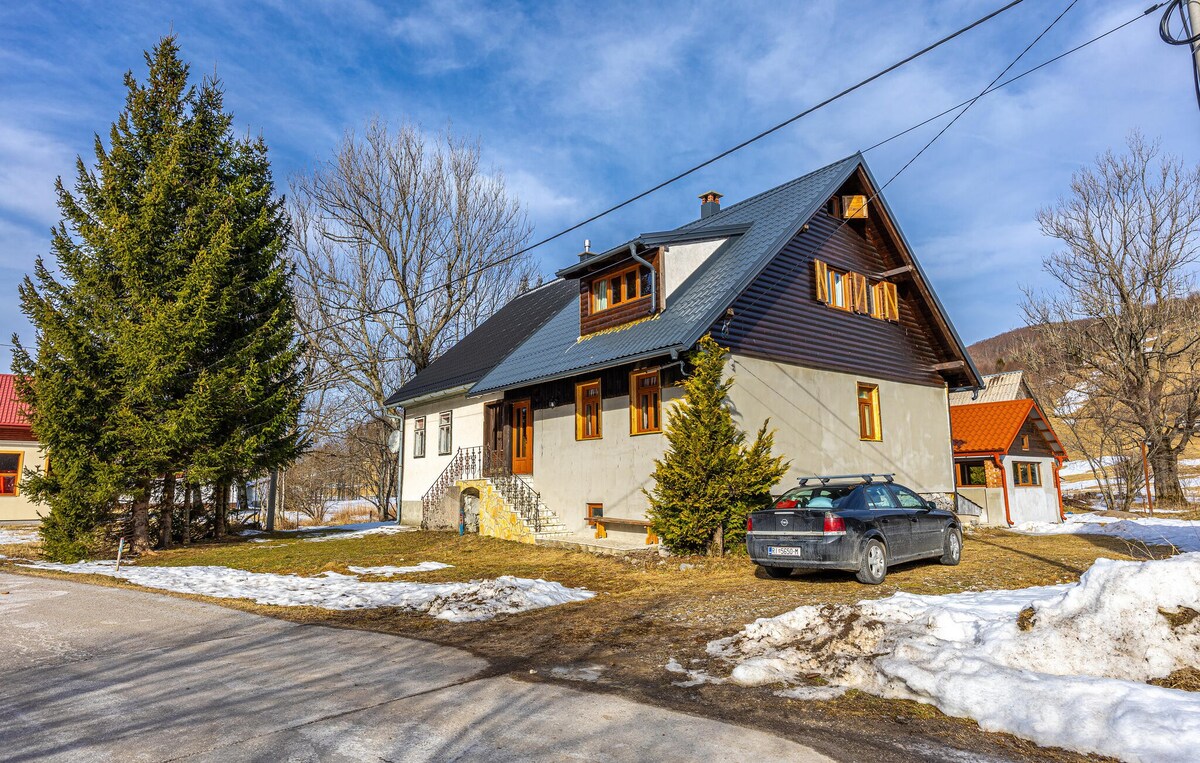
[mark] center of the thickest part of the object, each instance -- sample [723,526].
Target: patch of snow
[388,571]
[456,602]
[813,693]
[250,532]
[17,537]
[1181,533]
[1060,665]
[1189,462]
[1081,466]
[694,677]
[589,673]
[359,530]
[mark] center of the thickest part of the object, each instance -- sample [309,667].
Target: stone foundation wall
[496,519]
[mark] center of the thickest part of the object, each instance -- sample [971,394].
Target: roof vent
[587,249]
[710,204]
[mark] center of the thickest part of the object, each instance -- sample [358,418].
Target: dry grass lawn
[648,610]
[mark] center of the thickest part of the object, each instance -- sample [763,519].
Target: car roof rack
[864,478]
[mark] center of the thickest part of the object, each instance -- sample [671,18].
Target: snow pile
[361,530]
[16,537]
[250,533]
[1183,534]
[388,571]
[457,602]
[1060,665]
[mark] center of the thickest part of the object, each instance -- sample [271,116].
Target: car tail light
[834,524]
[749,524]
[785,503]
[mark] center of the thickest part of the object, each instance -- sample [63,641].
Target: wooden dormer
[619,292]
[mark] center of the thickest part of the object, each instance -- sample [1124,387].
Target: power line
[964,108]
[695,168]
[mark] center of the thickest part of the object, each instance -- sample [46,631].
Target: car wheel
[873,568]
[952,548]
[778,572]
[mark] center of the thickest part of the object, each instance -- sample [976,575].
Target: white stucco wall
[1031,504]
[466,432]
[681,260]
[815,415]
[572,473]
[18,508]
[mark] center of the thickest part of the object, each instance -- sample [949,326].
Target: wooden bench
[601,524]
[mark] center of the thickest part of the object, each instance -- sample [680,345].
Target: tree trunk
[243,499]
[189,497]
[141,519]
[166,511]
[1163,462]
[221,499]
[718,545]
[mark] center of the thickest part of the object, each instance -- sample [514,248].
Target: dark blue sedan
[863,523]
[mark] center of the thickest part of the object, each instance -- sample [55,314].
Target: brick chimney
[710,204]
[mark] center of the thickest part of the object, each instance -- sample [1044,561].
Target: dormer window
[620,287]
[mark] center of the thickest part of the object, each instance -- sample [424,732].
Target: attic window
[620,287]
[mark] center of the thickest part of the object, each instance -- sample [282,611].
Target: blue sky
[583,104]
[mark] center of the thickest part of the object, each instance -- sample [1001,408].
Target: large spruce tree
[709,480]
[165,340]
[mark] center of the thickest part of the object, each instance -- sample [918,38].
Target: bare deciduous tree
[403,243]
[1123,322]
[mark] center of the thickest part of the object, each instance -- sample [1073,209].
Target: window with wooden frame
[10,472]
[869,424]
[445,435]
[588,410]
[843,289]
[970,474]
[419,437]
[885,302]
[1027,474]
[1024,442]
[645,402]
[595,510]
[618,288]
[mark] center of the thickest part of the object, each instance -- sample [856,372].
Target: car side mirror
[929,506]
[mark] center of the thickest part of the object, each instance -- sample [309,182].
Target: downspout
[653,276]
[1003,486]
[399,464]
[1062,510]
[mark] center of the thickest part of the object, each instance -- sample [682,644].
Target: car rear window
[822,497]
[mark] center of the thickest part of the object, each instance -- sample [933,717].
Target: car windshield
[823,497]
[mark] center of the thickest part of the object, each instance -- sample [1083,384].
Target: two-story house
[553,410]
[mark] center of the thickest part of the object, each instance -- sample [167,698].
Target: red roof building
[1006,460]
[13,423]
[19,451]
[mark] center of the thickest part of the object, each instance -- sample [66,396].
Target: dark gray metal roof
[467,361]
[774,217]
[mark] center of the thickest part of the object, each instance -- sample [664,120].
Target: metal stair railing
[475,463]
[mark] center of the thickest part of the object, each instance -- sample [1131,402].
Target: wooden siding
[17,434]
[1038,447]
[614,382]
[621,314]
[778,317]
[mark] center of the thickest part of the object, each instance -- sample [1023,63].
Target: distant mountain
[999,353]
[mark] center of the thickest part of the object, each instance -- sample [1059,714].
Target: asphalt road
[90,673]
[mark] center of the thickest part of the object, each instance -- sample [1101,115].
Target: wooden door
[495,455]
[521,416]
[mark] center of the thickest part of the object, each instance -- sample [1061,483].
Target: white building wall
[18,508]
[1032,504]
[466,432]
[570,473]
[815,415]
[681,260]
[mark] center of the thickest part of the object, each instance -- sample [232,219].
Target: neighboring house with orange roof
[19,450]
[1006,460]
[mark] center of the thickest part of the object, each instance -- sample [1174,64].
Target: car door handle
[912,519]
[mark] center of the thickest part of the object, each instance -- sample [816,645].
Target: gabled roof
[755,230]
[773,217]
[1009,385]
[11,411]
[988,428]
[478,352]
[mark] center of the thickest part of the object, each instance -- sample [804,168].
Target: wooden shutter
[821,279]
[877,300]
[891,302]
[858,293]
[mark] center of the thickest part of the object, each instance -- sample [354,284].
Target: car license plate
[784,551]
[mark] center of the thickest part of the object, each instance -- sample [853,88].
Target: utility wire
[786,273]
[695,168]
[1164,31]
